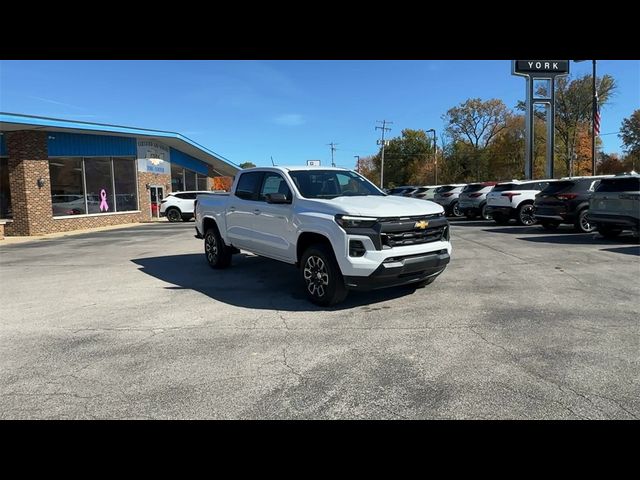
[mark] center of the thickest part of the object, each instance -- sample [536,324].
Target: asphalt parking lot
[132,323]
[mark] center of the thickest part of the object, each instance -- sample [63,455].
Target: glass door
[157,194]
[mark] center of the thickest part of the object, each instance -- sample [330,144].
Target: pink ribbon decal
[104,206]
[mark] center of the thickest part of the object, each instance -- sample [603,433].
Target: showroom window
[202,182]
[99,185]
[92,185]
[184,180]
[177,178]
[189,180]
[5,190]
[67,187]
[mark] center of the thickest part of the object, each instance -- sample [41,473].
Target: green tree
[368,169]
[406,158]
[247,165]
[630,134]
[475,123]
[574,110]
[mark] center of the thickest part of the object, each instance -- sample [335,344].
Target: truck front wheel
[217,253]
[321,275]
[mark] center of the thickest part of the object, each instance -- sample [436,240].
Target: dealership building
[60,175]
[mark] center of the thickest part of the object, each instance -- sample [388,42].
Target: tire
[500,219]
[174,215]
[454,210]
[321,276]
[525,215]
[218,255]
[483,212]
[549,225]
[582,225]
[609,232]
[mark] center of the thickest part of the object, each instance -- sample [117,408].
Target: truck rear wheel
[323,281]
[217,253]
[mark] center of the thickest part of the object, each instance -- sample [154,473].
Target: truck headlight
[346,221]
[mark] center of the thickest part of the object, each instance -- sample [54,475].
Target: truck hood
[378,206]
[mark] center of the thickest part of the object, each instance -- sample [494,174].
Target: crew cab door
[273,232]
[243,206]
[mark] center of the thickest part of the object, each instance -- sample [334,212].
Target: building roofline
[35,120]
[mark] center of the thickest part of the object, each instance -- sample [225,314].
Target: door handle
[257,211]
[232,208]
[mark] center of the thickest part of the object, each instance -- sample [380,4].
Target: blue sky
[252,110]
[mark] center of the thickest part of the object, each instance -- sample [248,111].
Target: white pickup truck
[339,229]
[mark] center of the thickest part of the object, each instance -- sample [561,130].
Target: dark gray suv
[615,205]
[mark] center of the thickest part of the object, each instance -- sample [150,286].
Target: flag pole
[593,121]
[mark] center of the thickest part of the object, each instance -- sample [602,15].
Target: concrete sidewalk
[35,238]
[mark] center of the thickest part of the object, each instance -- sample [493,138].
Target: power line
[384,129]
[333,149]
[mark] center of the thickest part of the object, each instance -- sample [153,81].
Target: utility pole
[358,164]
[435,153]
[381,142]
[333,149]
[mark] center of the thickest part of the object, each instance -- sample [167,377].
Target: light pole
[594,107]
[358,164]
[435,153]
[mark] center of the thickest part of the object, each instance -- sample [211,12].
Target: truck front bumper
[401,270]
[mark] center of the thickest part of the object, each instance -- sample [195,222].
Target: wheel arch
[306,239]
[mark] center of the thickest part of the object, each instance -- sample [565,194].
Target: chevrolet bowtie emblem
[422,224]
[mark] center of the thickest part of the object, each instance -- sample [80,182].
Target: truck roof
[290,168]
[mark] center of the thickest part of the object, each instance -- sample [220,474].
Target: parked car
[68,204]
[399,190]
[514,199]
[447,196]
[566,201]
[473,200]
[615,205]
[178,206]
[426,192]
[339,229]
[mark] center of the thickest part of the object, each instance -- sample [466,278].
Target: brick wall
[28,161]
[144,199]
[31,205]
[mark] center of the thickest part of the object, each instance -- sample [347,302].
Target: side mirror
[277,198]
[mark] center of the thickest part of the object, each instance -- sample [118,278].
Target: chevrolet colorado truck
[340,230]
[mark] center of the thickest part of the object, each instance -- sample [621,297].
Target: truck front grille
[403,232]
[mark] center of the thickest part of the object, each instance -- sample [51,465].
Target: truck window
[274,183]
[249,185]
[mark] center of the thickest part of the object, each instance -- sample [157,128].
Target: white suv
[514,200]
[179,205]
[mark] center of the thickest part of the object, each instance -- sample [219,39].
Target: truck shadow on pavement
[250,282]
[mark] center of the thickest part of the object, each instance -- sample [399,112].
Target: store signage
[153,157]
[541,66]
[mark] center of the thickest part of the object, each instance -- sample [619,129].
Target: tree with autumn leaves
[485,140]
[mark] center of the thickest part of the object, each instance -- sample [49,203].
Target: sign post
[544,72]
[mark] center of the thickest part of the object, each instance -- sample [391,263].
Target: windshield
[332,184]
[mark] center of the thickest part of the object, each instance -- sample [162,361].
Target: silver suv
[473,200]
[615,205]
[447,196]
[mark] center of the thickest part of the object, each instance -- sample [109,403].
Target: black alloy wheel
[173,214]
[582,224]
[525,214]
[324,283]
[217,253]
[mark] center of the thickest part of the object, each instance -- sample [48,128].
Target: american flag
[596,118]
